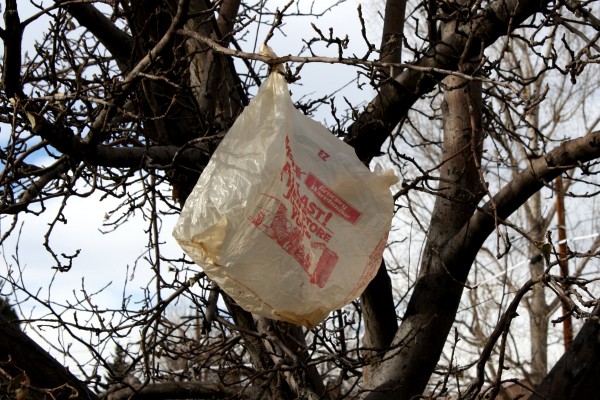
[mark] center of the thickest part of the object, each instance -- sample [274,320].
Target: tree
[130,98]
[8,312]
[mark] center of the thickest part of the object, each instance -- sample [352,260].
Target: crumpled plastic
[285,218]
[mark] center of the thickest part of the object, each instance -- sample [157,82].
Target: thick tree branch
[379,312]
[88,151]
[541,171]
[134,75]
[36,187]
[575,375]
[462,190]
[117,42]
[19,353]
[165,40]
[63,139]
[226,21]
[215,84]
[12,37]
[396,98]
[432,308]
[575,6]
[184,390]
[393,33]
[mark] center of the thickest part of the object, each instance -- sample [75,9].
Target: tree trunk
[19,354]
[377,301]
[538,325]
[419,341]
[538,307]
[575,375]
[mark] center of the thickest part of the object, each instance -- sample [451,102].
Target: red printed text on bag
[298,220]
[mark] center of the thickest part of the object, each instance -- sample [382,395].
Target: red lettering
[286,170]
[290,192]
[311,208]
[321,233]
[319,213]
[309,218]
[327,218]
[303,201]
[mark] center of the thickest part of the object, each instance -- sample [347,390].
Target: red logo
[331,200]
[323,155]
[317,260]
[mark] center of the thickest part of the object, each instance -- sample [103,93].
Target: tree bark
[538,325]
[395,99]
[18,353]
[11,67]
[432,307]
[393,34]
[575,375]
[185,390]
[377,301]
[418,343]
[381,322]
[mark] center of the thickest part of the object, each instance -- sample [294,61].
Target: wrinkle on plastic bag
[285,218]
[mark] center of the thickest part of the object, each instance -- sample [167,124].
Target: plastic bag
[285,218]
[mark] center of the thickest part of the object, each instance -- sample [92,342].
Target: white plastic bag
[285,218]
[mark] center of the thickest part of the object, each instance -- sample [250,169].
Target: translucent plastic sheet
[285,218]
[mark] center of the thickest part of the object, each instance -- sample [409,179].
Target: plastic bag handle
[267,51]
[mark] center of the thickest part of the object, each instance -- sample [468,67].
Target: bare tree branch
[395,99]
[227,14]
[436,296]
[77,125]
[184,390]
[119,157]
[569,155]
[13,35]
[117,42]
[377,300]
